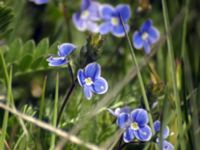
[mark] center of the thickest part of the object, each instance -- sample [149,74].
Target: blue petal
[100,86]
[78,22]
[85,4]
[156,125]
[114,112]
[146,25]
[93,70]
[147,47]
[157,128]
[123,120]
[154,35]
[118,111]
[125,11]
[137,40]
[140,116]
[92,27]
[65,49]
[125,109]
[106,11]
[143,134]
[128,135]
[167,145]
[87,92]
[105,28]
[94,9]
[39,2]
[118,31]
[57,61]
[81,77]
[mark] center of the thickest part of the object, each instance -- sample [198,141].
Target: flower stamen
[88,81]
[145,35]
[115,21]
[85,14]
[135,126]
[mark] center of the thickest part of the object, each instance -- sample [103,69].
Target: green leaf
[28,48]
[25,62]
[5,19]
[14,51]
[42,48]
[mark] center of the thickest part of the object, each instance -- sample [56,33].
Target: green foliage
[27,57]
[5,19]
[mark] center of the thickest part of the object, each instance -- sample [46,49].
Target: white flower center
[88,81]
[135,126]
[114,21]
[85,14]
[145,35]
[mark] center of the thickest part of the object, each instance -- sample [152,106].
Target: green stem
[184,29]
[42,99]
[6,115]
[173,75]
[53,137]
[146,103]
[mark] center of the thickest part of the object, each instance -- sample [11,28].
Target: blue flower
[146,36]
[135,125]
[39,2]
[63,51]
[118,111]
[165,144]
[91,81]
[112,22]
[85,19]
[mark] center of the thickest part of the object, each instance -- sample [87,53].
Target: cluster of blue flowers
[104,19]
[135,125]
[92,13]
[89,77]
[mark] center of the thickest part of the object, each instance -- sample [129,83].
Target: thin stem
[173,75]
[184,29]
[53,137]
[41,111]
[66,17]
[146,103]
[66,98]
[71,72]
[120,143]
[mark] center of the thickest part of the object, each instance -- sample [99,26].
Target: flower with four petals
[165,144]
[91,81]
[135,124]
[112,22]
[64,50]
[84,20]
[146,36]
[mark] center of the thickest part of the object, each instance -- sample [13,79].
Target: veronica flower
[118,111]
[146,36]
[112,22]
[165,144]
[91,81]
[84,20]
[135,125]
[39,2]
[64,50]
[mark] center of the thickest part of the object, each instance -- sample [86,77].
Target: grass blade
[173,75]
[53,137]
[146,103]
